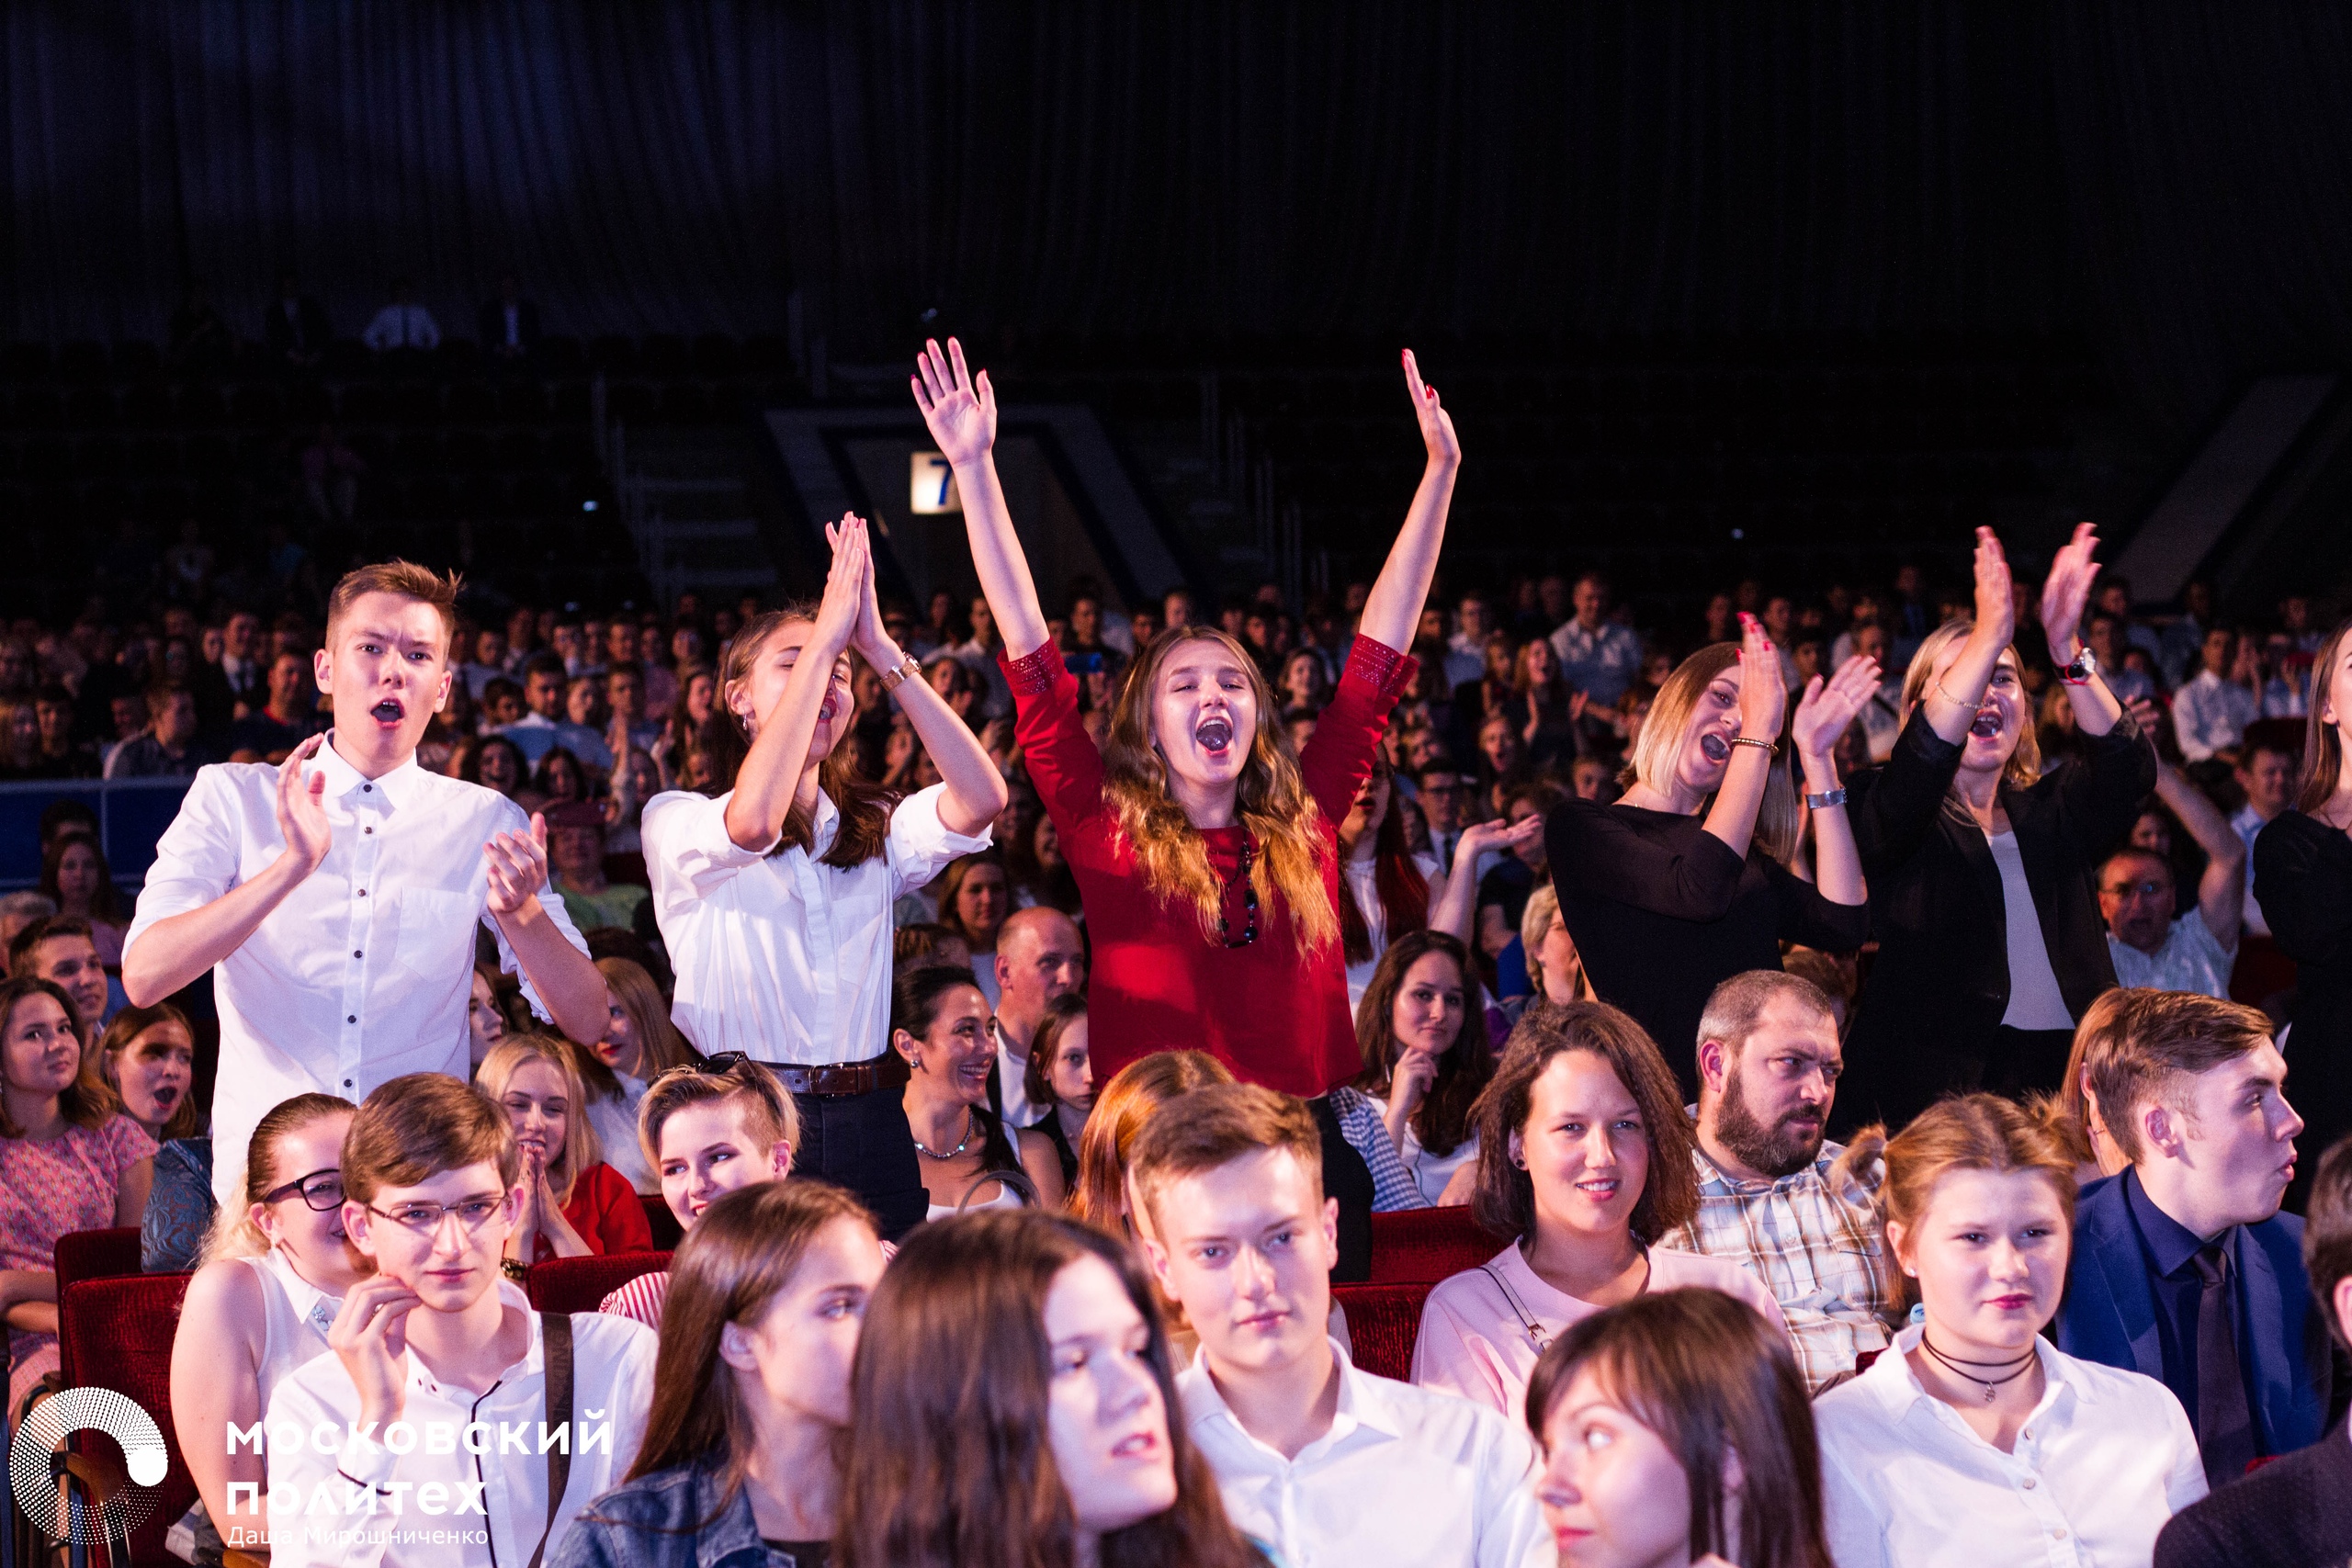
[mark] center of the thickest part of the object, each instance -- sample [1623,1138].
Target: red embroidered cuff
[1034,674]
[1381,666]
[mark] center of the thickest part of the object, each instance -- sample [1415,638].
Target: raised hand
[959,407]
[1763,697]
[517,863]
[1996,605]
[370,1337]
[1437,426]
[1829,706]
[2067,592]
[302,809]
[1496,834]
[846,589]
[872,643]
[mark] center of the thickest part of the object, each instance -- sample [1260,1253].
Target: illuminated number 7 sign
[932,485]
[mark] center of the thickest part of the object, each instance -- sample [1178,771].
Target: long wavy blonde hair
[1657,751]
[1282,818]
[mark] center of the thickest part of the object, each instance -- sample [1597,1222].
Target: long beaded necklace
[971,1126]
[1249,904]
[1959,1368]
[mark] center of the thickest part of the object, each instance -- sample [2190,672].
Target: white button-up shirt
[778,956]
[2105,1459]
[2210,714]
[2191,959]
[491,1507]
[1405,1475]
[362,973]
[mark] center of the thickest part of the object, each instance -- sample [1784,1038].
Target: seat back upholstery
[1384,1323]
[578,1284]
[117,1334]
[96,1255]
[1425,1245]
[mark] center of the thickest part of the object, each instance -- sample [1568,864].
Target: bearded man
[1772,1194]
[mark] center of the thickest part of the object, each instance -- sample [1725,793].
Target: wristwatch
[2078,671]
[906,667]
[515,1268]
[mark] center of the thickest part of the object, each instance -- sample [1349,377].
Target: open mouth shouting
[828,709]
[388,712]
[1987,723]
[166,1097]
[1214,735]
[1717,746]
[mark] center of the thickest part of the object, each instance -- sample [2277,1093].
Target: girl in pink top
[1584,1155]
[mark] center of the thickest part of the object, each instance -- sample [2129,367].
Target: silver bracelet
[1827,799]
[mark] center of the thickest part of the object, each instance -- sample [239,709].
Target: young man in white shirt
[272,876]
[2211,712]
[514,1419]
[1039,956]
[1327,1464]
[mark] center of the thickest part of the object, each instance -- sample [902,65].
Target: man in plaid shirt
[1771,1195]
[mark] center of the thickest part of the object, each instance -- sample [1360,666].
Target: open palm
[1829,706]
[960,411]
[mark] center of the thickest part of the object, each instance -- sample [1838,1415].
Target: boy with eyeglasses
[466,1429]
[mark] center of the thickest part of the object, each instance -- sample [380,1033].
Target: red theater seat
[116,1333]
[667,1231]
[96,1255]
[1383,1323]
[1425,1245]
[577,1284]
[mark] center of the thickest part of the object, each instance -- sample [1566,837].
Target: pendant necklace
[1959,1368]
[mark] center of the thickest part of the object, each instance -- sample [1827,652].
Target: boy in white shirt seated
[467,1430]
[1322,1462]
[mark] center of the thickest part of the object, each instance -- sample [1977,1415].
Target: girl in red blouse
[573,1203]
[1204,844]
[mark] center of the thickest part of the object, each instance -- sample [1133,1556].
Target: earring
[914,1062]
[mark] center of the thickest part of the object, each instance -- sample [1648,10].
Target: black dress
[1929,1018]
[1663,912]
[2306,867]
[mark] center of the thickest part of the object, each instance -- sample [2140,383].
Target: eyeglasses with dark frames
[321,1190]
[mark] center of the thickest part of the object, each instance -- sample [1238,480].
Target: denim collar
[732,1539]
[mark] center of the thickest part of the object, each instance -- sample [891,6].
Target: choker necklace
[1959,1368]
[971,1124]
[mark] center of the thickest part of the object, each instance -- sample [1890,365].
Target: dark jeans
[862,1142]
[2027,1061]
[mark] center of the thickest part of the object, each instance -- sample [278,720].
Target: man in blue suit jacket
[2296,1512]
[2190,1091]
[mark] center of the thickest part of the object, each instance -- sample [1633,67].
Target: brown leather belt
[843,1078]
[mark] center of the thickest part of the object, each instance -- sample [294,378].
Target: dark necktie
[2224,1424]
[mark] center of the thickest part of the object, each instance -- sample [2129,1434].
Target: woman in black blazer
[1982,870]
[2302,876]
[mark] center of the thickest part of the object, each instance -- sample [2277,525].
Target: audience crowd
[1007,1016]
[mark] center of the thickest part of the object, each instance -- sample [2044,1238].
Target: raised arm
[1822,717]
[772,771]
[975,791]
[1395,608]
[176,950]
[2220,892]
[1453,899]
[1950,701]
[961,413]
[1763,698]
[2063,599]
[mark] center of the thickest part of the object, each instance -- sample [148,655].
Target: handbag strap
[555,1334]
[1536,1335]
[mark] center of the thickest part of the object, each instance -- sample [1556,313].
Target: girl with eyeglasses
[272,1278]
[1204,842]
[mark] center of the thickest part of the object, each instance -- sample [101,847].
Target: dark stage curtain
[2161,175]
